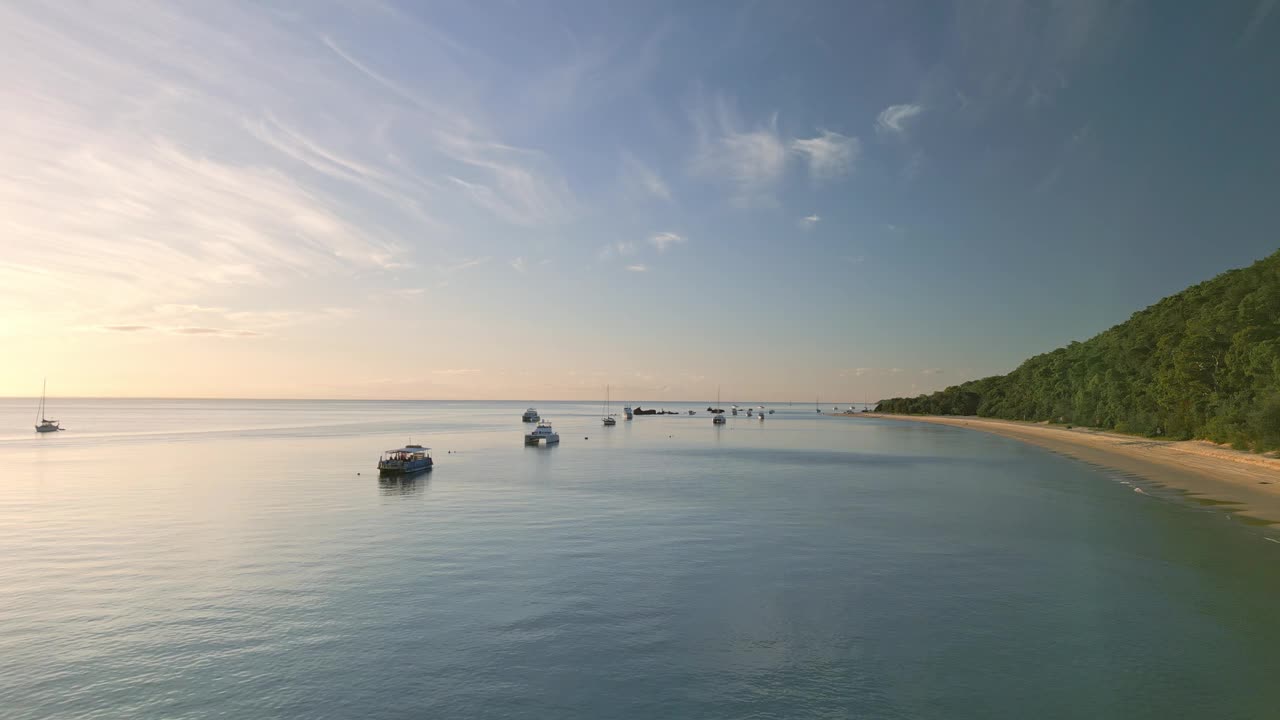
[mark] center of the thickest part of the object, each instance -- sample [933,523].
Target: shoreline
[1242,483]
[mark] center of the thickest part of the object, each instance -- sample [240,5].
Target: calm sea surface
[242,559]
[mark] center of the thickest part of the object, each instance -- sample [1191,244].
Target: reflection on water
[803,567]
[412,484]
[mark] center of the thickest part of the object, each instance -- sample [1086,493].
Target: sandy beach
[1246,483]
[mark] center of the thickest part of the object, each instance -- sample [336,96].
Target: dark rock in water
[641,411]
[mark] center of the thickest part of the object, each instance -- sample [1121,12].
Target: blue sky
[530,200]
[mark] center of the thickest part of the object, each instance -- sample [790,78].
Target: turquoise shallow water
[198,559]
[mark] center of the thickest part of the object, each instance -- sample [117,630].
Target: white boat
[608,418]
[44,425]
[627,411]
[542,433]
[530,415]
[718,418]
[735,409]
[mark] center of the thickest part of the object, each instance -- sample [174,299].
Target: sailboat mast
[44,385]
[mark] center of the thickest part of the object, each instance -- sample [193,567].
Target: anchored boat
[542,433]
[408,459]
[530,415]
[607,416]
[44,425]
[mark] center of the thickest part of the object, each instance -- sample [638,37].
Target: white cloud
[1260,13]
[895,118]
[156,157]
[830,155]
[638,268]
[809,221]
[663,239]
[749,160]
[518,264]
[463,264]
[639,175]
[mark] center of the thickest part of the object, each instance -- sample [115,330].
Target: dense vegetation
[1204,363]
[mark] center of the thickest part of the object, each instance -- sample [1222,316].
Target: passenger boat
[541,433]
[530,415]
[408,459]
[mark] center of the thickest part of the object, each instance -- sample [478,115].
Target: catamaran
[44,425]
[542,433]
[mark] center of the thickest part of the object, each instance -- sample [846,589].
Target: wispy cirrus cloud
[1260,13]
[829,155]
[211,331]
[748,159]
[808,221]
[137,174]
[663,240]
[638,267]
[636,174]
[896,118]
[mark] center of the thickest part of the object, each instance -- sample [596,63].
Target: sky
[531,200]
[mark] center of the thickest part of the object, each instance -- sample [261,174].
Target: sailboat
[44,426]
[608,417]
[718,418]
[815,406]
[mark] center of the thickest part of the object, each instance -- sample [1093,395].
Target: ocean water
[242,559]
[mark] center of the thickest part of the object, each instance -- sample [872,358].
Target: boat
[44,425]
[735,409]
[627,411]
[530,415]
[408,459]
[641,411]
[815,406]
[541,433]
[693,412]
[608,418]
[719,414]
[770,411]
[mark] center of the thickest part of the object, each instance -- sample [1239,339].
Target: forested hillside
[1204,363]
